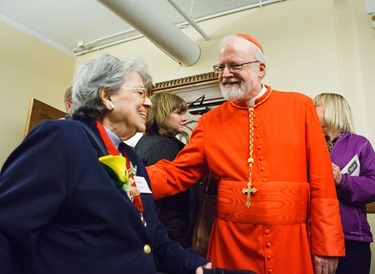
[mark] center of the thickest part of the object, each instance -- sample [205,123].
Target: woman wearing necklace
[72,202]
[353,166]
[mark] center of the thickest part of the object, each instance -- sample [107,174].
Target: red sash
[274,203]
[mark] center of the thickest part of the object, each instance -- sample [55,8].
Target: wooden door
[39,112]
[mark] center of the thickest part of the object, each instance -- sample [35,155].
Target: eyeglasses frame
[143,92]
[231,67]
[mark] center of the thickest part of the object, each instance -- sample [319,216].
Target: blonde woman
[164,121]
[353,166]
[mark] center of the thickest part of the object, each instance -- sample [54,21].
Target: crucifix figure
[248,191]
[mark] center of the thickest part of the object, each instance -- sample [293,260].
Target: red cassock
[294,212]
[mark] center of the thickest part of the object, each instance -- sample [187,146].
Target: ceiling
[77,26]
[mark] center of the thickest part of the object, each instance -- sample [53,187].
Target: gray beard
[233,93]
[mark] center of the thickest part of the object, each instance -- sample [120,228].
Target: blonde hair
[163,104]
[337,113]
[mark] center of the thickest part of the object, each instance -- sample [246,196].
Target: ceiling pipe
[122,37]
[164,34]
[191,21]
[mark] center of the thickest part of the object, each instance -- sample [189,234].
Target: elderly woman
[64,208]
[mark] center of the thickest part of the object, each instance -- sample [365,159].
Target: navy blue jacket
[61,212]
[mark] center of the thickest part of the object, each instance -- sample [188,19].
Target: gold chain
[251,143]
[250,160]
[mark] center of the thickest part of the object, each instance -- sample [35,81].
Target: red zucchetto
[251,39]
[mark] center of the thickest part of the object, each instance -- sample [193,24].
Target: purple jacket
[354,192]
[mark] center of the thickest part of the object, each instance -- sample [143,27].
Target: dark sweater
[173,211]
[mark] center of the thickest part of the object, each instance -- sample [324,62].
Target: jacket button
[147,249]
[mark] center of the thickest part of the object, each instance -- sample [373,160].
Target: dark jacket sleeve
[32,187]
[172,259]
[170,256]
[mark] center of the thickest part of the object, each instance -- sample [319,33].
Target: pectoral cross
[248,191]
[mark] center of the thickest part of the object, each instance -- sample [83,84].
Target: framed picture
[193,88]
[200,91]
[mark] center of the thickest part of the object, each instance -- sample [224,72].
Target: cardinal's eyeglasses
[233,68]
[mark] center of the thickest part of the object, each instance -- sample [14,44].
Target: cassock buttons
[147,249]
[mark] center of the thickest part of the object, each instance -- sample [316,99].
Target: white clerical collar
[252,101]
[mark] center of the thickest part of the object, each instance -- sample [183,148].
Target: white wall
[28,69]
